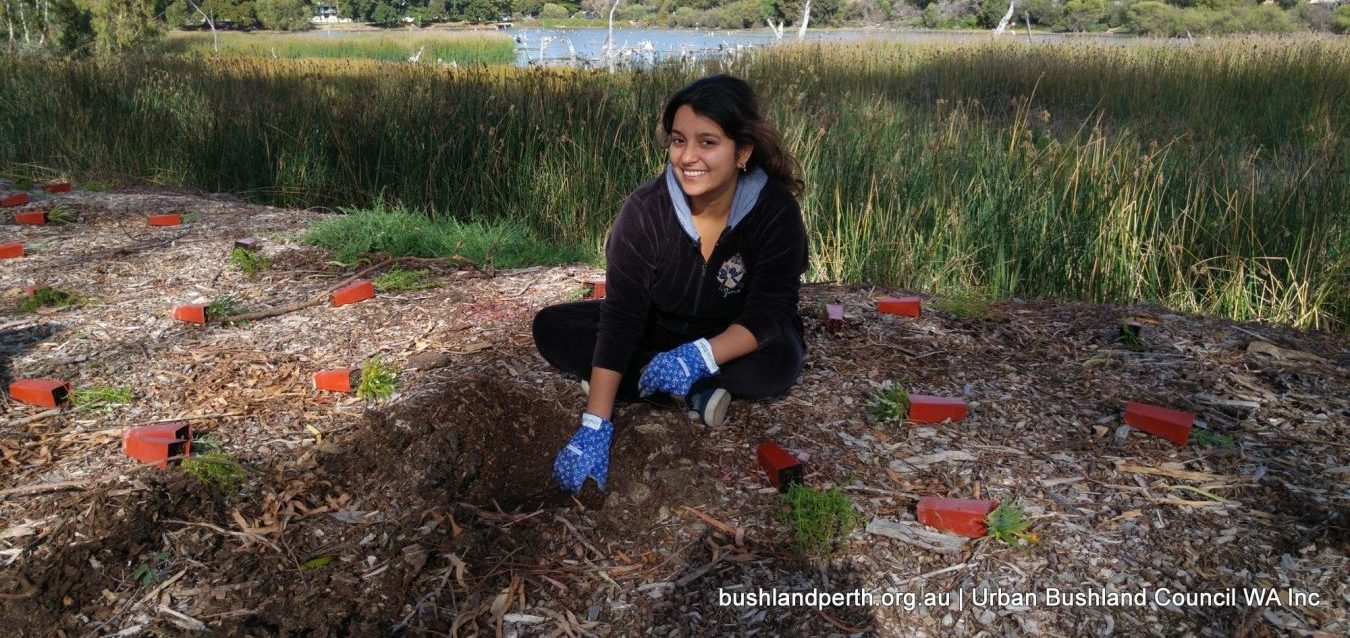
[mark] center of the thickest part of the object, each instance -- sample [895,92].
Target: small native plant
[1129,336]
[377,380]
[147,573]
[100,399]
[248,261]
[819,520]
[1008,523]
[397,280]
[967,305]
[1209,438]
[48,298]
[217,469]
[61,215]
[224,306]
[890,404]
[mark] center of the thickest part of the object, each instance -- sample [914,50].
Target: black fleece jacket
[656,274]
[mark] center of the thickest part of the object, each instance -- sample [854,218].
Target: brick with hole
[595,289]
[964,516]
[191,313]
[56,187]
[251,244]
[1173,425]
[17,199]
[31,217]
[342,380]
[901,306]
[45,393]
[926,408]
[169,219]
[157,443]
[359,290]
[12,250]
[783,468]
[834,317]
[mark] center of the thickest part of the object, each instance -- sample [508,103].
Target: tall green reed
[1212,178]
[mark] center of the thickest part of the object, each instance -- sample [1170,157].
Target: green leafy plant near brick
[890,404]
[1008,523]
[968,305]
[1208,438]
[24,184]
[147,573]
[100,398]
[217,469]
[224,306]
[398,279]
[248,261]
[61,215]
[1128,338]
[820,520]
[377,380]
[48,298]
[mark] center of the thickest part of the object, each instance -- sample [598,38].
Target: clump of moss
[820,520]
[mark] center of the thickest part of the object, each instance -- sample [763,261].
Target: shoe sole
[715,413]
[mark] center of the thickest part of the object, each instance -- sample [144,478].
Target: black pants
[566,333]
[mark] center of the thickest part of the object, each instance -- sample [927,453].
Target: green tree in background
[123,25]
[76,28]
[285,15]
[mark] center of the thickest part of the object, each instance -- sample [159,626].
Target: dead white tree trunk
[1003,24]
[215,38]
[609,39]
[806,17]
[776,28]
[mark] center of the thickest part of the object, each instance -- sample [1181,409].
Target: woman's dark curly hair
[731,103]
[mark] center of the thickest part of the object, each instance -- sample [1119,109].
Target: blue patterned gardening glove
[674,371]
[587,454]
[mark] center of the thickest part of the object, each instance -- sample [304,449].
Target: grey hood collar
[748,188]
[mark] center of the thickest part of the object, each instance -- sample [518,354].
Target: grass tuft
[398,279]
[820,520]
[224,306]
[378,379]
[48,298]
[1210,438]
[217,469]
[890,404]
[100,399]
[248,261]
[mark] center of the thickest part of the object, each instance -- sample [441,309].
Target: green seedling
[190,216]
[1008,523]
[1208,438]
[61,215]
[398,279]
[1129,336]
[377,380]
[224,306]
[48,298]
[95,187]
[316,562]
[100,399]
[206,444]
[147,573]
[217,469]
[24,184]
[250,262]
[889,405]
[819,520]
[968,306]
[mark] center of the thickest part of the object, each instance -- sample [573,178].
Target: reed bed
[1212,178]
[459,47]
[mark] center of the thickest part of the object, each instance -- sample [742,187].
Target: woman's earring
[741,166]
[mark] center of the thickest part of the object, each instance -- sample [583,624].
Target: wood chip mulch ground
[431,513]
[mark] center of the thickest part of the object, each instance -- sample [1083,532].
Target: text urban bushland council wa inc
[1049,597]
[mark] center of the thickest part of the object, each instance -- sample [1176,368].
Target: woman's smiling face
[705,159]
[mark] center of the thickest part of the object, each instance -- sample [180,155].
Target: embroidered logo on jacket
[731,274]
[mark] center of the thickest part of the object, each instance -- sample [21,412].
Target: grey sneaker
[709,405]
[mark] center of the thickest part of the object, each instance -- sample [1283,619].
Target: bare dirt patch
[433,512]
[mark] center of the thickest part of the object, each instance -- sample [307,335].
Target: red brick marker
[1173,425]
[57,187]
[171,219]
[595,289]
[156,444]
[834,317]
[783,468]
[359,290]
[903,306]
[17,199]
[192,313]
[12,250]
[924,408]
[343,380]
[46,393]
[962,516]
[33,217]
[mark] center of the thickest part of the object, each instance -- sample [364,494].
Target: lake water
[584,46]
